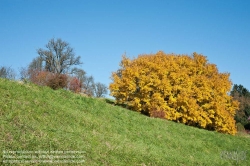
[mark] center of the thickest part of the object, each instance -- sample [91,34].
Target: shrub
[39,77]
[45,78]
[240,127]
[57,81]
[75,85]
[187,89]
[158,113]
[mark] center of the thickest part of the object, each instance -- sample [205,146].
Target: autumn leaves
[181,88]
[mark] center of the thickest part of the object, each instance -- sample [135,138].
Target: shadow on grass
[112,102]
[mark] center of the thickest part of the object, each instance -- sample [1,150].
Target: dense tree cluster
[56,67]
[181,88]
[241,94]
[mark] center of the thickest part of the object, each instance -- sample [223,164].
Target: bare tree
[36,64]
[58,57]
[24,73]
[7,72]
[80,74]
[100,90]
[89,86]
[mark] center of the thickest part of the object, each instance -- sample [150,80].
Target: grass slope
[36,118]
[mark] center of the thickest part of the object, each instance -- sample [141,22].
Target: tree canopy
[58,57]
[181,88]
[242,94]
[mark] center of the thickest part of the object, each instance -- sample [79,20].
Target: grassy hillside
[36,118]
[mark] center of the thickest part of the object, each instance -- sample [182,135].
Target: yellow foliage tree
[181,88]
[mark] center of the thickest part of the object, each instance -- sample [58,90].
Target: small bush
[240,127]
[45,78]
[75,85]
[39,77]
[57,81]
[158,113]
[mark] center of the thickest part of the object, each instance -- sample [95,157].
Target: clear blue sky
[101,31]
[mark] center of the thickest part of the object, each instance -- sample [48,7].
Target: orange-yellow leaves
[182,88]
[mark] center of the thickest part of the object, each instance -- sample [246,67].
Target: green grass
[34,118]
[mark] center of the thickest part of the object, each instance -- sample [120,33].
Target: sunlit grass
[37,118]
